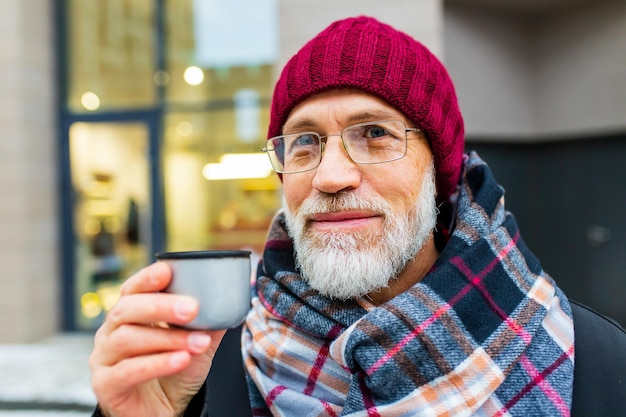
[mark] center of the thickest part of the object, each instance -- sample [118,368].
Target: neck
[411,275]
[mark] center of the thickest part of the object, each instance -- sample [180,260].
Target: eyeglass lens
[365,143]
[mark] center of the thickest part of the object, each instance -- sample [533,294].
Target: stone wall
[29,241]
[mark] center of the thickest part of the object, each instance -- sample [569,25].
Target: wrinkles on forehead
[333,110]
[302,123]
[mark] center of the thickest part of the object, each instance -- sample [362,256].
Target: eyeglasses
[365,143]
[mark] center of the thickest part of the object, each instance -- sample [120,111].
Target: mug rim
[201,254]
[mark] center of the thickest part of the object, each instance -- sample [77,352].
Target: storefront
[114,109]
[165,112]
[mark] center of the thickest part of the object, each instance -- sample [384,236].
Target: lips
[343,220]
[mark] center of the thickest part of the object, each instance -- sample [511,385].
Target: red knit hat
[368,55]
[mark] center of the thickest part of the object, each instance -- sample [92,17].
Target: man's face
[356,226]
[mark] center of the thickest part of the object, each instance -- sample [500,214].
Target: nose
[336,172]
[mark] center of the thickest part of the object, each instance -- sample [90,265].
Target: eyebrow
[352,119]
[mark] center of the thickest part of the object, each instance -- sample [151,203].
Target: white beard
[346,265]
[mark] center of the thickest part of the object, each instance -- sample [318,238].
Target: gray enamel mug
[218,279]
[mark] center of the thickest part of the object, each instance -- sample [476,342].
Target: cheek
[296,189]
[400,186]
[401,197]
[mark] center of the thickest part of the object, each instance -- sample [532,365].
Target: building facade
[135,127]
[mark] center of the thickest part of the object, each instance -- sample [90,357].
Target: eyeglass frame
[324,139]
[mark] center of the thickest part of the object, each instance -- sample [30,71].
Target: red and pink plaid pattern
[487,332]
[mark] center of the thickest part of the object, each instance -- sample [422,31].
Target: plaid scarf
[486,332]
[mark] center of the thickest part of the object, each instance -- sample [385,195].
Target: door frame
[152,119]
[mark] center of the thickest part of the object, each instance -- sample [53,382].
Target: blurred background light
[193,75]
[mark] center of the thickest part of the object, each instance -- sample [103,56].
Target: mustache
[328,203]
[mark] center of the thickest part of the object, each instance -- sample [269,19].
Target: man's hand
[140,365]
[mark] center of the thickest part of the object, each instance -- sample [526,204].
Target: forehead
[341,106]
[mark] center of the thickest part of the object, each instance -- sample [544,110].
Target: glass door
[112,211]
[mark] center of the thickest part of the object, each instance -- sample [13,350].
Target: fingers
[134,363]
[126,331]
[141,302]
[131,341]
[140,369]
[154,277]
[152,308]
[114,382]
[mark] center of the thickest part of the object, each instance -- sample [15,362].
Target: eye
[373,132]
[300,144]
[306,139]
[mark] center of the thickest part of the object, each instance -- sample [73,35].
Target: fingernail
[185,308]
[198,341]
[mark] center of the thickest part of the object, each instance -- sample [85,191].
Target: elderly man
[393,281]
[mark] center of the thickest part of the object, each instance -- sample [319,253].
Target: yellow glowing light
[194,75]
[90,101]
[109,296]
[238,166]
[91,227]
[90,305]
